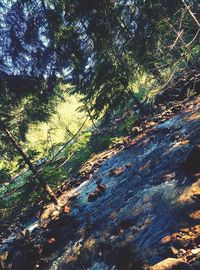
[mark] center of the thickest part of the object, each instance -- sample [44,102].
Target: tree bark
[32,168]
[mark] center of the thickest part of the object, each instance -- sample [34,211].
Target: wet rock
[128,165]
[181,241]
[166,239]
[66,209]
[136,130]
[181,252]
[92,196]
[126,223]
[55,214]
[192,163]
[93,249]
[117,171]
[98,191]
[195,251]
[101,187]
[195,215]
[185,230]
[172,264]
[50,246]
[3,257]
[176,108]
[174,250]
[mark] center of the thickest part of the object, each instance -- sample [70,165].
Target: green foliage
[54,175]
[116,54]
[78,152]
[125,127]
[4,175]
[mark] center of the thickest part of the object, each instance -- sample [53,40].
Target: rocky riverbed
[133,207]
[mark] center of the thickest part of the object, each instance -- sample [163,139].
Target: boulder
[101,187]
[172,264]
[92,196]
[192,163]
[116,171]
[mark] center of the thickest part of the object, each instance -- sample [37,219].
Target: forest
[99,134]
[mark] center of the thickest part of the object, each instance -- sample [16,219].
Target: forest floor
[132,205]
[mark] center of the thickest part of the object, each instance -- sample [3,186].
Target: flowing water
[140,205]
[145,194]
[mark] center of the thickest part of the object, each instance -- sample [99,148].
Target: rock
[128,165]
[3,257]
[70,262]
[185,230]
[150,124]
[51,240]
[66,209]
[195,251]
[116,171]
[176,108]
[126,223]
[181,241]
[171,264]
[166,239]
[92,196]
[174,250]
[55,214]
[135,130]
[181,252]
[101,187]
[49,246]
[192,163]
[195,215]
[98,191]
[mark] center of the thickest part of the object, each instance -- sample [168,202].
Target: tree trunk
[32,168]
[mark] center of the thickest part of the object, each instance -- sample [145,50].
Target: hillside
[99,135]
[137,204]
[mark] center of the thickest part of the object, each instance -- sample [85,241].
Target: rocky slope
[135,205]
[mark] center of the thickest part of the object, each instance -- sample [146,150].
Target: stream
[140,205]
[142,200]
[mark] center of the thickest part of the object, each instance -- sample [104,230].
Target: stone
[101,187]
[181,252]
[171,264]
[55,214]
[181,241]
[136,130]
[126,223]
[92,196]
[174,250]
[66,209]
[49,246]
[98,191]
[195,251]
[70,262]
[117,171]
[3,257]
[185,230]
[166,239]
[192,163]
[128,165]
[195,215]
